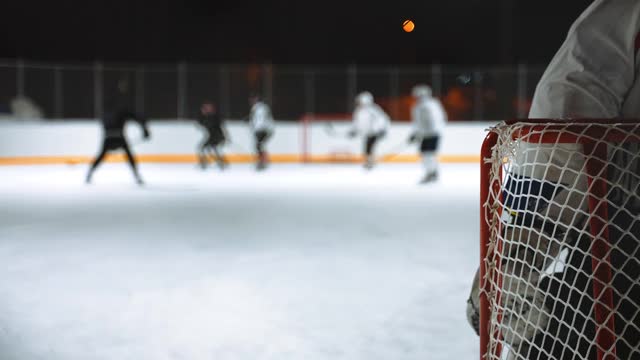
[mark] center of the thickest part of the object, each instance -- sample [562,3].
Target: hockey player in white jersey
[595,74]
[428,121]
[262,125]
[370,121]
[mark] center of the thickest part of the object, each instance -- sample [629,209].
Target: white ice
[303,262]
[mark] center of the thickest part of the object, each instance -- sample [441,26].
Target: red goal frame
[595,134]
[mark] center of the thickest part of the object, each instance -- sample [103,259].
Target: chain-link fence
[174,91]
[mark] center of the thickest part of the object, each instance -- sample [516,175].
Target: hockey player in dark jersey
[119,110]
[209,118]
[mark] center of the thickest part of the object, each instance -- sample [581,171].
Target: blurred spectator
[24,108]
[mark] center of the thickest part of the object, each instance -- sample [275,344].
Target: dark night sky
[449,31]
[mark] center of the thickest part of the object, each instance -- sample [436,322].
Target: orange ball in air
[408,26]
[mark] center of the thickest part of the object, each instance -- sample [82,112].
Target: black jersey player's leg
[210,153]
[220,159]
[203,158]
[132,161]
[217,143]
[98,159]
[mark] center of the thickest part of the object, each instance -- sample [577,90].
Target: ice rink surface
[304,262]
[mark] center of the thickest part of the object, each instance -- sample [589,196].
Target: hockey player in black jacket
[119,110]
[209,118]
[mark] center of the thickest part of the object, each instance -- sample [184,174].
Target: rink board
[34,142]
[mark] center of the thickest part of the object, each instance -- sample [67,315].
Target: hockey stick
[331,130]
[395,151]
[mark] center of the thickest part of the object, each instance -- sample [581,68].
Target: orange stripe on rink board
[233,158]
[459,158]
[43,160]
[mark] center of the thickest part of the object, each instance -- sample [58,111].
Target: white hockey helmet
[364,98]
[421,91]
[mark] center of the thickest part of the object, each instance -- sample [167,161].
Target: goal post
[551,191]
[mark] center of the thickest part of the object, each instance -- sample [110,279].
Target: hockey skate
[139,180]
[429,178]
[262,162]
[202,162]
[222,164]
[368,165]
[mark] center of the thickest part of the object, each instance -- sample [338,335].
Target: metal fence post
[20,77]
[224,91]
[352,85]
[98,88]
[310,96]
[139,89]
[182,90]
[58,95]
[478,105]
[394,84]
[436,79]
[310,109]
[522,91]
[267,83]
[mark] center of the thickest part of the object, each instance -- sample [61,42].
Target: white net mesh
[562,274]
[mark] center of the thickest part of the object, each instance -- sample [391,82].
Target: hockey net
[329,142]
[560,240]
